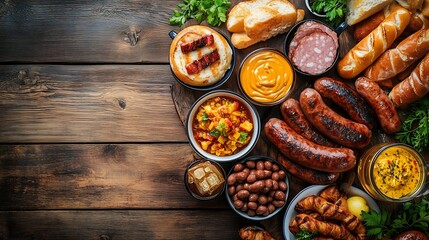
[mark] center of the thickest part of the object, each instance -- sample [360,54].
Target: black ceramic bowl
[216,84]
[257,217]
[291,34]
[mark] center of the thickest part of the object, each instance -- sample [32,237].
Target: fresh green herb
[242,138]
[205,117]
[415,128]
[335,10]
[222,127]
[212,10]
[412,215]
[215,133]
[304,235]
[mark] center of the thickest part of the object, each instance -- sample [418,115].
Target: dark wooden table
[91,144]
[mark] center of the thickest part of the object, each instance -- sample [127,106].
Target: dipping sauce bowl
[392,172]
[266,77]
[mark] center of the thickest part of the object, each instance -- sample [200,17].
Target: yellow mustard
[266,76]
[397,173]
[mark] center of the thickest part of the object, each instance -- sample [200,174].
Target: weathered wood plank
[134,224]
[84,103]
[97,176]
[85,31]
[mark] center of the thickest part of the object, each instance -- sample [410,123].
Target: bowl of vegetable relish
[222,126]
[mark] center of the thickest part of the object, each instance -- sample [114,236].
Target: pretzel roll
[372,46]
[396,60]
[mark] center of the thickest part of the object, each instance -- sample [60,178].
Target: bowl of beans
[257,188]
[222,126]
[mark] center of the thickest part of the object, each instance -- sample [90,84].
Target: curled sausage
[295,118]
[339,129]
[380,102]
[305,152]
[307,174]
[346,98]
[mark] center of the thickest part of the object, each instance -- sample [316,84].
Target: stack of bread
[258,20]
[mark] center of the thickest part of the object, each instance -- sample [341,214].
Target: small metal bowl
[266,104]
[257,217]
[308,5]
[217,84]
[290,35]
[193,192]
[229,94]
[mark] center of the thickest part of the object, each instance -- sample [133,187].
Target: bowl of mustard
[266,77]
[392,172]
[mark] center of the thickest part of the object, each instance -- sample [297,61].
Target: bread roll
[414,87]
[372,46]
[425,8]
[412,5]
[258,20]
[396,60]
[358,10]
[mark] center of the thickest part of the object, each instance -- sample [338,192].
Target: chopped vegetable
[335,10]
[412,215]
[415,128]
[304,235]
[212,10]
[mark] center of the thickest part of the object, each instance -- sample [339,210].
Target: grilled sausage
[380,102]
[307,174]
[348,99]
[295,118]
[339,129]
[412,235]
[307,153]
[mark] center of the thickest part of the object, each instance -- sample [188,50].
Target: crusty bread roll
[414,87]
[396,60]
[372,46]
[412,5]
[258,20]
[358,10]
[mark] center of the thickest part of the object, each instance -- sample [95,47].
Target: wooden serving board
[184,98]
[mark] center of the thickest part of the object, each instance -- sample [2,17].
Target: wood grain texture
[109,225]
[85,31]
[85,103]
[100,176]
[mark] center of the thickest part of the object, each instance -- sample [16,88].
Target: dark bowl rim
[225,77]
[291,34]
[196,195]
[252,108]
[255,158]
[238,77]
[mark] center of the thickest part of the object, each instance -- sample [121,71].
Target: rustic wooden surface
[92,144]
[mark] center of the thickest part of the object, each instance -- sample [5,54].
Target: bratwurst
[306,152]
[339,129]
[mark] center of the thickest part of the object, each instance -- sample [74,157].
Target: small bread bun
[358,10]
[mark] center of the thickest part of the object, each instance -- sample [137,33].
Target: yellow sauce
[266,76]
[397,173]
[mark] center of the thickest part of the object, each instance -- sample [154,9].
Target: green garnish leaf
[205,117]
[215,133]
[243,136]
[305,235]
[415,127]
[334,9]
[214,11]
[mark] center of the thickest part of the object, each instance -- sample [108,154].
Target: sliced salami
[306,29]
[315,53]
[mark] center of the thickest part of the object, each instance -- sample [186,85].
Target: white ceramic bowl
[315,190]
[232,95]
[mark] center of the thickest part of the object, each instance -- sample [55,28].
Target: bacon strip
[207,40]
[206,60]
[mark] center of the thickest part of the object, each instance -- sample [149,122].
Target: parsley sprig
[335,10]
[305,235]
[412,215]
[415,128]
[212,10]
